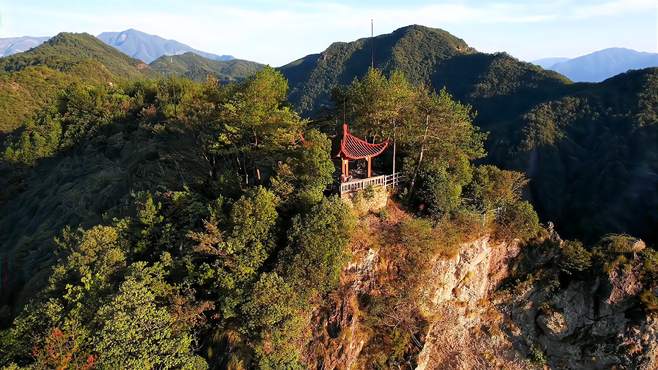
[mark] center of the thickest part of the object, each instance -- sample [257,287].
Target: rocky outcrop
[338,336]
[455,294]
[457,303]
[480,312]
[586,323]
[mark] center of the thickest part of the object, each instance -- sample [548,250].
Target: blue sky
[281,31]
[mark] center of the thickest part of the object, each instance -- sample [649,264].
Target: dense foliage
[437,144]
[175,224]
[198,68]
[33,79]
[210,235]
[587,148]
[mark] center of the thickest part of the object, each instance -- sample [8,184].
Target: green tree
[379,105]
[231,260]
[492,187]
[517,220]
[304,177]
[439,193]
[276,313]
[316,246]
[136,331]
[574,257]
[441,131]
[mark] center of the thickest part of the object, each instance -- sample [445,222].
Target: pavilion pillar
[369,159]
[345,168]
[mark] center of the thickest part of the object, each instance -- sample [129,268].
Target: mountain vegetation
[560,147]
[65,51]
[198,68]
[197,212]
[183,214]
[32,79]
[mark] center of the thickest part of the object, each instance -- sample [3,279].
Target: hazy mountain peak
[547,63]
[13,45]
[602,64]
[148,48]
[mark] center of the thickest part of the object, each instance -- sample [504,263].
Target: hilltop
[198,68]
[423,54]
[519,103]
[32,79]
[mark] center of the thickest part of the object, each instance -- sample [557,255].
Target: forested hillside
[191,220]
[199,212]
[32,79]
[198,68]
[585,147]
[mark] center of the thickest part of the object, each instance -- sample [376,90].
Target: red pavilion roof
[352,147]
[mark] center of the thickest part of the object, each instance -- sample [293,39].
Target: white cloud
[612,8]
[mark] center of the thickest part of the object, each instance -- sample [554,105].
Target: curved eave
[358,149]
[352,147]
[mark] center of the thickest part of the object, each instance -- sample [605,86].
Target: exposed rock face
[339,340]
[457,301]
[588,324]
[477,321]
[373,199]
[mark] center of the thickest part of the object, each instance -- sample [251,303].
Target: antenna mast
[372,44]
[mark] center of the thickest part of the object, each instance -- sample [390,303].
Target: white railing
[360,184]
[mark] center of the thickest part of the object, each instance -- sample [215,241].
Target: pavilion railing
[360,184]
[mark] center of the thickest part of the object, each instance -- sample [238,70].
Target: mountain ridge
[198,68]
[531,114]
[13,45]
[32,79]
[601,64]
[148,47]
[312,77]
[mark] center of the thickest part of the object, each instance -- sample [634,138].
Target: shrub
[650,265]
[618,243]
[418,236]
[574,257]
[517,220]
[537,355]
[650,300]
[613,249]
[438,192]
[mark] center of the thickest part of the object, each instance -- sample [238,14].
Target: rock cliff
[484,307]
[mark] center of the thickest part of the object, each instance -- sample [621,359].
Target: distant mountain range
[600,65]
[547,63]
[148,47]
[32,79]
[13,45]
[134,43]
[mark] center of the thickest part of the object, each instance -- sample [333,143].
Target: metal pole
[394,150]
[372,44]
